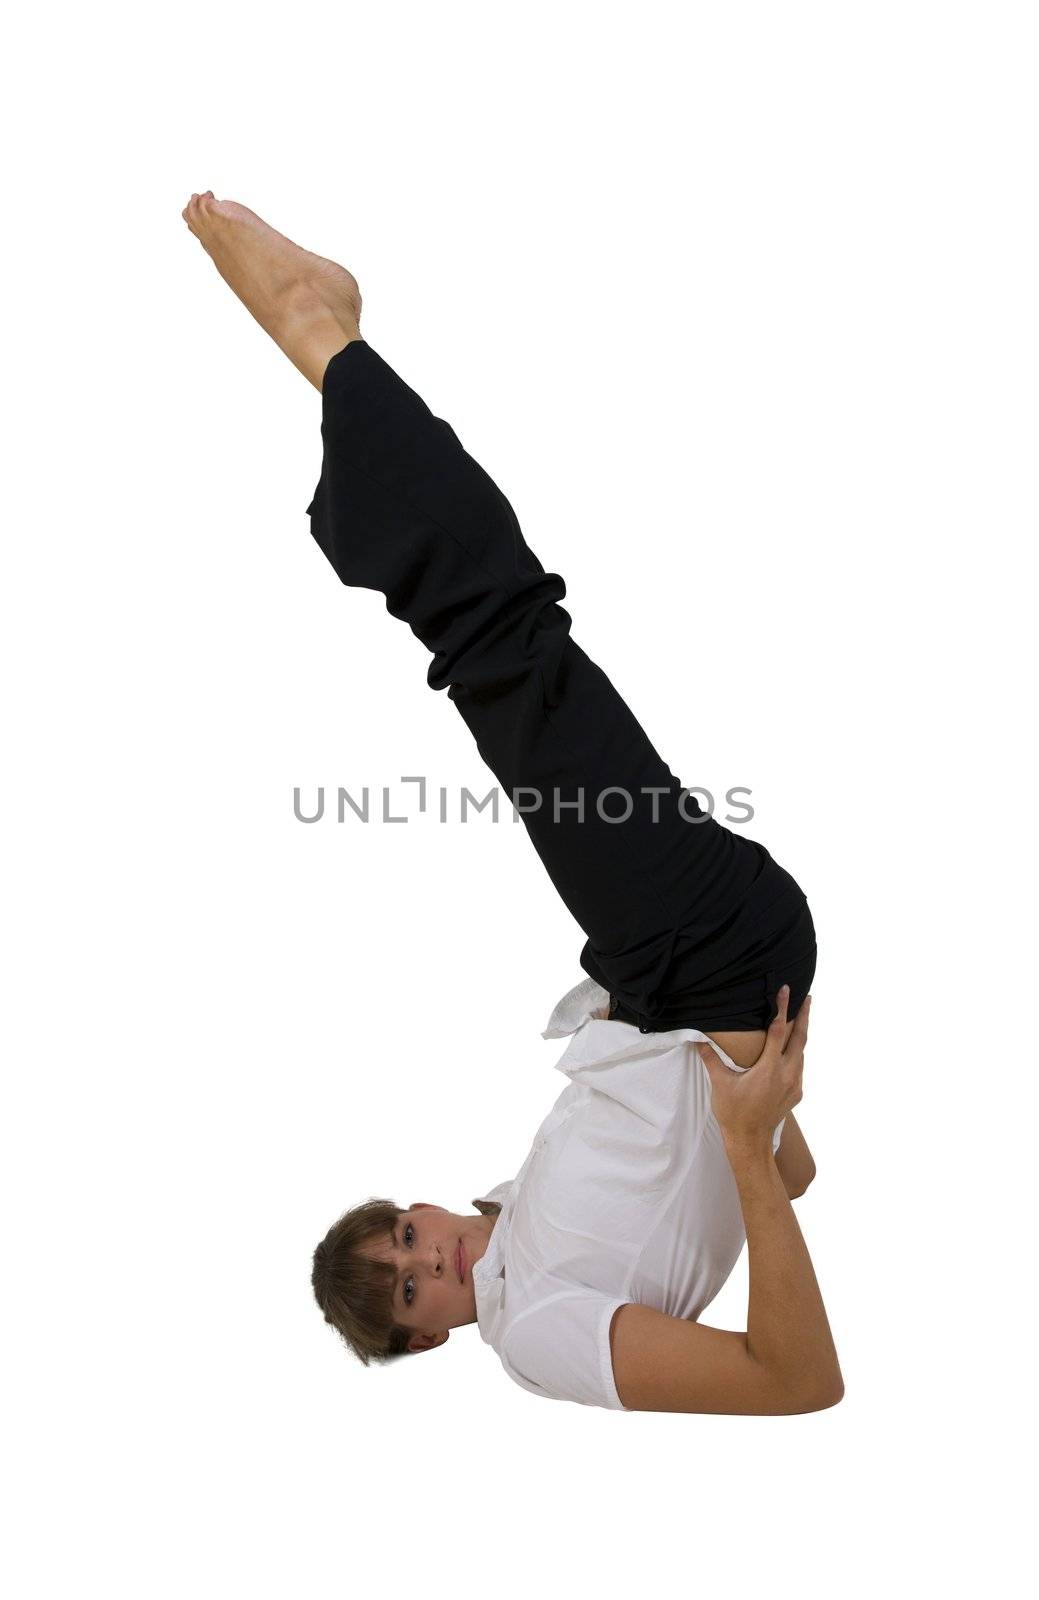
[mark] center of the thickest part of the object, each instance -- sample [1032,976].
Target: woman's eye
[409,1292]
[409,1234]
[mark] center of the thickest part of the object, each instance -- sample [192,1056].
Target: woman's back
[627,1195]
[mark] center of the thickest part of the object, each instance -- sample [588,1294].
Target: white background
[737,305]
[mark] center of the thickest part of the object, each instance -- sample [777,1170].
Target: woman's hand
[748,1106]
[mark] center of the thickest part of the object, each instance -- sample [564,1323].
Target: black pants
[687,923]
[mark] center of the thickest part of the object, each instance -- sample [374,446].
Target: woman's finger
[778,1024]
[716,1070]
[799,1035]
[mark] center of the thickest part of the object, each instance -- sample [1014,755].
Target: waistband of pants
[737,997]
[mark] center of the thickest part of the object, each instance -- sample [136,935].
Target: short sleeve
[561,1348]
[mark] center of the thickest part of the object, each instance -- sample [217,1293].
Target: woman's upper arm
[663,1363]
[794,1159]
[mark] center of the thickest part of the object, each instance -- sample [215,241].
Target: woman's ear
[427,1341]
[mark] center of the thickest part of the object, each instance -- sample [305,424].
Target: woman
[587,1271]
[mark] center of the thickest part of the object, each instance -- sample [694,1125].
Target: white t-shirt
[626,1195]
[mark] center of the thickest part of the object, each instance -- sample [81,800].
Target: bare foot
[310,306]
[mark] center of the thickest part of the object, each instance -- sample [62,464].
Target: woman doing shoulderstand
[673,1141]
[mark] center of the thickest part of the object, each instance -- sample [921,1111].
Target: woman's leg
[667,896]
[682,916]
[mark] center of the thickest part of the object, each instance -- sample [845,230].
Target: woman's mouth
[460,1262]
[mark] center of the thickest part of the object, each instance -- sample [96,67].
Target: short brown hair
[356,1294]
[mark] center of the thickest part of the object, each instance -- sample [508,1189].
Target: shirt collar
[583,1003]
[489,1271]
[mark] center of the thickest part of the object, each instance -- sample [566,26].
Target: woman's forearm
[787,1329]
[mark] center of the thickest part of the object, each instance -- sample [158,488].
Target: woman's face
[433,1251]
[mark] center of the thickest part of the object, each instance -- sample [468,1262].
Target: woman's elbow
[832,1395]
[818,1396]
